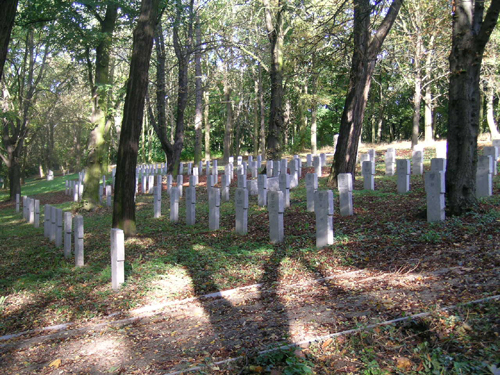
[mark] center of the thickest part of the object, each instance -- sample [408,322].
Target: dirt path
[201,330]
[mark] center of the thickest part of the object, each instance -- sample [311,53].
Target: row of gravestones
[56,229]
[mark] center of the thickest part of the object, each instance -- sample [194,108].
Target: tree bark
[490,114]
[470,33]
[275,35]
[206,96]
[417,95]
[228,130]
[367,45]
[198,117]
[124,200]
[262,134]
[98,144]
[7,15]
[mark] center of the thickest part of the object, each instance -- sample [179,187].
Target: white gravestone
[32,211]
[157,202]
[323,207]
[169,183]
[403,171]
[252,187]
[311,187]
[117,258]
[484,176]
[37,214]
[59,227]
[276,168]
[68,221]
[180,182]
[242,181]
[47,220]
[79,256]
[390,161]
[284,181]
[368,170]
[18,198]
[493,152]
[174,205]
[190,206]
[53,224]
[441,149]
[309,162]
[213,208]
[344,181]
[241,208]
[269,168]
[294,173]
[108,195]
[225,181]
[438,164]
[276,207]
[317,166]
[151,184]
[262,184]
[418,162]
[435,189]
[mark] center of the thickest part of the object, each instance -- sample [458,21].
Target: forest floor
[218,303]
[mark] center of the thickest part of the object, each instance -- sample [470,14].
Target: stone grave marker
[262,184]
[53,224]
[18,198]
[276,207]
[284,181]
[169,183]
[37,214]
[252,187]
[438,164]
[108,195]
[117,258]
[390,161]
[213,208]
[317,166]
[59,228]
[180,182]
[435,189]
[157,202]
[190,206]
[403,171]
[368,170]
[79,256]
[418,162]
[174,204]
[294,173]
[345,194]
[68,221]
[484,176]
[311,187]
[241,208]
[46,221]
[269,168]
[225,181]
[323,207]
[493,152]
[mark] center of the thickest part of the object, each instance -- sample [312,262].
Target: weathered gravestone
[390,161]
[117,258]
[323,207]
[484,176]
[344,181]
[493,152]
[262,184]
[311,187]
[241,208]
[37,214]
[438,165]
[269,168]
[190,206]
[317,166]
[403,171]
[180,182]
[68,221]
[18,198]
[108,195]
[284,181]
[252,187]
[53,224]
[418,162]
[174,204]
[169,183]
[368,170]
[294,173]
[435,189]
[225,180]
[213,208]
[79,257]
[157,202]
[59,228]
[276,207]
[46,221]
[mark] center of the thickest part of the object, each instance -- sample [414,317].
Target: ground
[196,298]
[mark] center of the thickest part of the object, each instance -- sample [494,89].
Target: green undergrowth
[464,340]
[38,287]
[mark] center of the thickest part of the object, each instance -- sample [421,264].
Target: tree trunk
[363,64]
[124,200]
[228,130]
[198,117]
[206,95]
[417,96]
[262,134]
[256,119]
[314,129]
[7,15]
[275,34]
[490,114]
[98,145]
[428,114]
[469,37]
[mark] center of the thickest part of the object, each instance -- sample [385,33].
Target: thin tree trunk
[417,96]
[124,199]
[490,114]
[314,129]
[206,96]
[228,130]
[256,119]
[7,15]
[367,46]
[198,117]
[262,115]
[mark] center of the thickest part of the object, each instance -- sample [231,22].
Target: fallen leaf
[403,363]
[326,343]
[55,363]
